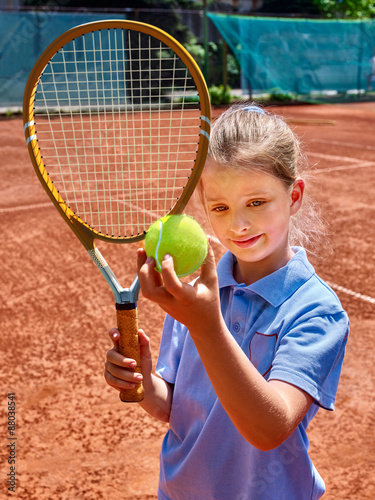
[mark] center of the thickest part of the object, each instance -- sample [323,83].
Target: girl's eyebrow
[255,194]
[213,199]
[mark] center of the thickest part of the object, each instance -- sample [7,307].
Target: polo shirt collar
[276,287]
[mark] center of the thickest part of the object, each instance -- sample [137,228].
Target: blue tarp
[303,56]
[24,36]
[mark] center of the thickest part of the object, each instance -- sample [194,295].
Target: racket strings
[118,122]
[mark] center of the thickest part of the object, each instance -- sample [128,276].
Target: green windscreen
[313,59]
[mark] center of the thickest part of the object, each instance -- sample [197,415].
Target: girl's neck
[250,272]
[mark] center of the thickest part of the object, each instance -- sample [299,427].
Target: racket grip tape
[127,325]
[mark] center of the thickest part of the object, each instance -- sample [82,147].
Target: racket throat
[121,295]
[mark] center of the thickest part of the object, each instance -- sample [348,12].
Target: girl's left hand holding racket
[119,370]
[119,374]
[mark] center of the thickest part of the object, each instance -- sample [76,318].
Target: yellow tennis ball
[180,236]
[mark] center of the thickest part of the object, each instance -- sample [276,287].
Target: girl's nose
[239,222]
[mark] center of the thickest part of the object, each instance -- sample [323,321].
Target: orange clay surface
[75,439]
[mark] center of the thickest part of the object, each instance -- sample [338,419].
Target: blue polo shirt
[293,328]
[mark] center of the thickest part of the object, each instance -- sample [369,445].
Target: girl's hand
[188,304]
[119,372]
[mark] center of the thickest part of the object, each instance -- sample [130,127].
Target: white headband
[254,109]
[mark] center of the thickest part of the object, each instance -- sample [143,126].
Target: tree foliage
[301,8]
[346,9]
[115,4]
[161,13]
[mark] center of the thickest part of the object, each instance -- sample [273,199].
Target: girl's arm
[119,375]
[265,413]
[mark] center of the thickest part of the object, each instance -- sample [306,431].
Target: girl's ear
[297,195]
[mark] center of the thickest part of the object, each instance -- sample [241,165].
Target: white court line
[25,207]
[49,204]
[333,157]
[357,295]
[357,162]
[344,144]
[345,167]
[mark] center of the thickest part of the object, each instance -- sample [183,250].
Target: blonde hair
[244,138]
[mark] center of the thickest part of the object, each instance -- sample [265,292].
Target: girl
[252,349]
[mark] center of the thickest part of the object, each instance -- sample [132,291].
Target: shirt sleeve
[310,356]
[171,346]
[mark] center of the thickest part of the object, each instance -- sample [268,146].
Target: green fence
[303,58]
[315,59]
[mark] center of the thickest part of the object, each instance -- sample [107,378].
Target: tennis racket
[117,121]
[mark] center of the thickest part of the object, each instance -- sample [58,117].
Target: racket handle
[127,325]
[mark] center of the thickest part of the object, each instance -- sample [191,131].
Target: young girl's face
[250,211]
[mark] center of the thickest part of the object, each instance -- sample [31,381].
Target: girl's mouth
[248,242]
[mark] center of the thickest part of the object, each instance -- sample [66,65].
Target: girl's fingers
[146,358]
[141,258]
[117,359]
[149,269]
[208,269]
[119,370]
[114,335]
[114,356]
[117,381]
[166,288]
[149,279]
[144,343]
[171,282]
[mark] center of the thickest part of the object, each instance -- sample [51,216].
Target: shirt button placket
[238,316]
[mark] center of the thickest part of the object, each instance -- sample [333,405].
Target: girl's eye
[219,209]
[256,203]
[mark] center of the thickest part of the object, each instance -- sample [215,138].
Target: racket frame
[126,298]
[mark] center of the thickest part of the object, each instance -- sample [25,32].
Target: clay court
[74,438]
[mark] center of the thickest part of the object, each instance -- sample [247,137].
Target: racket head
[117,122]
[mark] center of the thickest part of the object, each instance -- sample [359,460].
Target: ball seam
[158,244]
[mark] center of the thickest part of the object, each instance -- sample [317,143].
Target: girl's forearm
[158,398]
[258,409]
